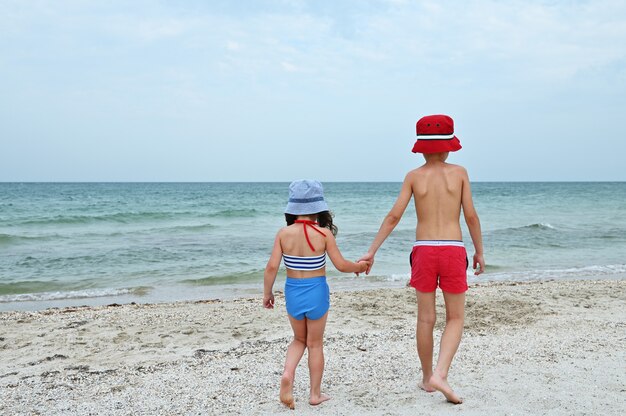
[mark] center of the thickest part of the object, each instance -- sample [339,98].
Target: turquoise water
[88,243]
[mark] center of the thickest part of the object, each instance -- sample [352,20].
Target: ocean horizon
[75,243]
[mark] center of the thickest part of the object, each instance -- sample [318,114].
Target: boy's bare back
[437,189]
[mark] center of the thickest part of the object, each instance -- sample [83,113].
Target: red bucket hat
[435,134]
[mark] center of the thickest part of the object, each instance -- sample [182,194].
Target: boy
[438,258]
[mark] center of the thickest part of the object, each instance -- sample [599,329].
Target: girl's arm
[341,264]
[270,273]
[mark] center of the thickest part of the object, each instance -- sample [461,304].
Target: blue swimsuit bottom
[307,297]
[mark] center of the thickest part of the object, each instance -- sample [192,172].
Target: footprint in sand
[121,338]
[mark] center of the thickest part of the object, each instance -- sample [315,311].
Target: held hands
[363,266]
[369,259]
[478,261]
[268,301]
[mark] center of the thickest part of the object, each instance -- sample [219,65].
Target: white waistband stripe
[435,243]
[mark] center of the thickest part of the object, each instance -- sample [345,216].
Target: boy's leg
[315,345]
[426,317]
[450,340]
[294,354]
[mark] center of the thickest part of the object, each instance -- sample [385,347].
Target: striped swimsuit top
[306,263]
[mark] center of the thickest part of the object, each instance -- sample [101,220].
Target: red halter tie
[311,224]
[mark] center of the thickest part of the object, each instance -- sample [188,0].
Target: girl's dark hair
[324,219]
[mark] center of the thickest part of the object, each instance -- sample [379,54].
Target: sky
[279,90]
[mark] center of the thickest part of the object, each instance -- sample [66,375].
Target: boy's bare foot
[314,401]
[441,384]
[425,385]
[286,392]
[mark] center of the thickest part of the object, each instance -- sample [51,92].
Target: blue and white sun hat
[306,197]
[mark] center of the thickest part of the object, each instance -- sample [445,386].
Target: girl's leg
[426,317]
[294,354]
[315,344]
[450,340]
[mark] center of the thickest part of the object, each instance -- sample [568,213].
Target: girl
[303,244]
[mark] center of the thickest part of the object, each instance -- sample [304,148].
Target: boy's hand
[268,301]
[478,261]
[369,258]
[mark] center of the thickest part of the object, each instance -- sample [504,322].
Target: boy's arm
[340,263]
[270,273]
[391,220]
[473,224]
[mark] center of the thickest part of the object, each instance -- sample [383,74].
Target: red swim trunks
[439,263]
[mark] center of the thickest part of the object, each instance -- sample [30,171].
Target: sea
[72,244]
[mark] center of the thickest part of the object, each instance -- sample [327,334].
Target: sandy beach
[553,347]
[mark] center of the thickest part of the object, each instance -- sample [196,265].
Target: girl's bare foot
[441,384]
[425,385]
[314,401]
[286,392]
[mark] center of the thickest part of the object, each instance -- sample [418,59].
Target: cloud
[159,29]
[350,69]
[289,67]
[233,45]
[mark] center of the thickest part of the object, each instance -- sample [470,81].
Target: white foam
[401,277]
[605,271]
[76,294]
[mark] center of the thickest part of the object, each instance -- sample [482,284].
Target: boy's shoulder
[449,167]
[456,168]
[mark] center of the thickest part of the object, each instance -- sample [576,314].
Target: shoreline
[175,294]
[543,347]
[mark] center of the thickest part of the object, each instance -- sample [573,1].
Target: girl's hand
[268,301]
[369,258]
[363,266]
